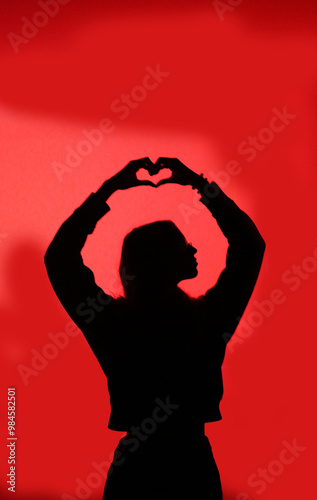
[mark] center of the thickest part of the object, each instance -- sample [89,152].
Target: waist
[192,423]
[168,433]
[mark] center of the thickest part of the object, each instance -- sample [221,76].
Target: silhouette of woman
[160,349]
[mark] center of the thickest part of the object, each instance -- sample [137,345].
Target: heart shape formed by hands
[155,173]
[136,172]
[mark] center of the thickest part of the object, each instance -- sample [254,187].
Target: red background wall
[229,68]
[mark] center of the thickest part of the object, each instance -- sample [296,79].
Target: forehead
[180,238]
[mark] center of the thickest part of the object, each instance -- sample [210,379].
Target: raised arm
[73,282]
[227,300]
[229,297]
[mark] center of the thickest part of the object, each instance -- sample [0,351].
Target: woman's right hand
[180,173]
[126,178]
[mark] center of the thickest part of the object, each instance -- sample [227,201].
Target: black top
[168,352]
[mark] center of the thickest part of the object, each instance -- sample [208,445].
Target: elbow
[47,260]
[49,257]
[259,249]
[258,242]
[262,245]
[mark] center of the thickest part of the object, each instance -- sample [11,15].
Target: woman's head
[158,256]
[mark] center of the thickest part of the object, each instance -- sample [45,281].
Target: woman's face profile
[158,254]
[187,260]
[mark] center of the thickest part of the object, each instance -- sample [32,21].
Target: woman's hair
[150,257]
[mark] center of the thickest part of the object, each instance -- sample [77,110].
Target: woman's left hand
[126,178]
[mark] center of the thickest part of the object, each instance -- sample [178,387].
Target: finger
[140,163]
[154,169]
[164,162]
[148,165]
[141,160]
[161,160]
[145,183]
[166,181]
[147,162]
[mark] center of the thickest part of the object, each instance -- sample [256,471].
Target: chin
[190,274]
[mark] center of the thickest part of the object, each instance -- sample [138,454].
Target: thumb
[165,181]
[145,183]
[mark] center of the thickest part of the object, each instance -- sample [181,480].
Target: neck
[156,293]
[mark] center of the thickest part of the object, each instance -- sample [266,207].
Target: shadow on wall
[274,13]
[29,311]
[31,307]
[62,37]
